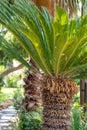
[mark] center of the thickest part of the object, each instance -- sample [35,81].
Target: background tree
[71,6]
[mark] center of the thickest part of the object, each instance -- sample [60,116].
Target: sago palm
[71,7]
[58,47]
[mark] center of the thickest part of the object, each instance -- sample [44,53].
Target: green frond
[60,45]
[13,52]
[39,30]
[36,37]
[57,45]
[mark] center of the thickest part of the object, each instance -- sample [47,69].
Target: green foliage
[10,82]
[13,52]
[76,119]
[30,121]
[6,93]
[26,120]
[79,120]
[85,6]
[58,46]
[4,58]
[77,98]
[3,97]
[1,81]
[77,81]
[17,99]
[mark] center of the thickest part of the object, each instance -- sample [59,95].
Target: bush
[30,121]
[1,82]
[79,120]
[11,81]
[26,120]
[17,99]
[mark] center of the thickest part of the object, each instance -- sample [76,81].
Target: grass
[7,93]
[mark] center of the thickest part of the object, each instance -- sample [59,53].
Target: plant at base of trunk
[57,46]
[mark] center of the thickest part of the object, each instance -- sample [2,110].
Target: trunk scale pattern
[57,96]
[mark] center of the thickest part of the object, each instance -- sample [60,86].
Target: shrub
[17,99]
[1,82]
[11,81]
[79,120]
[30,121]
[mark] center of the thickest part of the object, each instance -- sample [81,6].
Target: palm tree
[70,6]
[31,100]
[57,46]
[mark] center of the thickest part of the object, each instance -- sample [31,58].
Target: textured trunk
[57,98]
[32,94]
[69,5]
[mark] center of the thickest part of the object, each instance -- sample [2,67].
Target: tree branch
[5,73]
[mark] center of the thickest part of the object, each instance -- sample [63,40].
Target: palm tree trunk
[49,4]
[32,94]
[57,96]
[69,6]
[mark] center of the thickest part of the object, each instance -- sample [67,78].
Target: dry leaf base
[57,96]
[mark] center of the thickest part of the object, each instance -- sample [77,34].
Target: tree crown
[57,45]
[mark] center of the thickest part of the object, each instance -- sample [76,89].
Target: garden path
[6,117]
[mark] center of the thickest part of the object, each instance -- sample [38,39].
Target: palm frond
[39,41]
[71,42]
[13,52]
[58,46]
